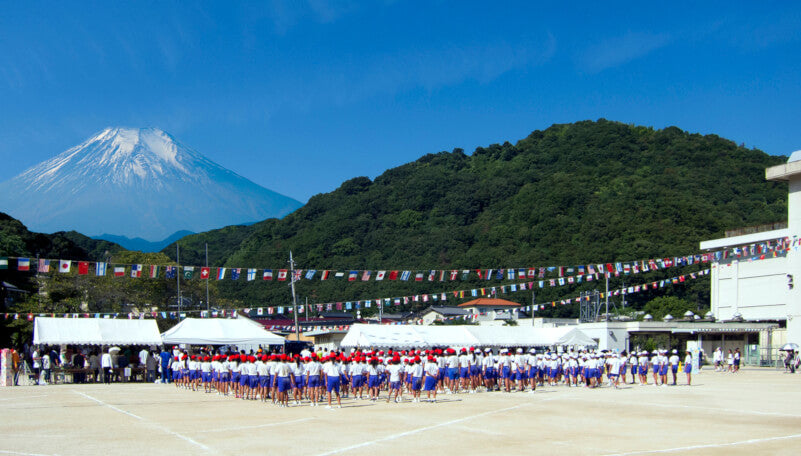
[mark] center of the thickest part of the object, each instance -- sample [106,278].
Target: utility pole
[208,303]
[294,298]
[178,277]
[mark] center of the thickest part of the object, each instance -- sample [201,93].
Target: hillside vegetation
[587,192]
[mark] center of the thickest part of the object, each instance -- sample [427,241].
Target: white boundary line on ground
[159,427]
[415,431]
[242,428]
[708,445]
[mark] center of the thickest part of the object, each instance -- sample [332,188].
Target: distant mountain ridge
[143,245]
[136,183]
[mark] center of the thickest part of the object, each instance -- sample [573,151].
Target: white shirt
[105,361]
[417,370]
[394,372]
[431,369]
[674,360]
[331,369]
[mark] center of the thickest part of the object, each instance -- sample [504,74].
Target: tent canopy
[405,336]
[95,331]
[220,331]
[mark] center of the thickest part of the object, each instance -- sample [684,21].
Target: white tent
[220,331]
[95,331]
[404,336]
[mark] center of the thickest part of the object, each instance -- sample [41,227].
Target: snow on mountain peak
[137,182]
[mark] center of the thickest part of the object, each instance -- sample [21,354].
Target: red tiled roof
[489,302]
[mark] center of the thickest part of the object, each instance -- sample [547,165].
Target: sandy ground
[753,412]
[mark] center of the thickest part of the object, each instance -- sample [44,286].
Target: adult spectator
[150,365]
[107,366]
[77,363]
[165,365]
[123,366]
[15,361]
[36,357]
[94,364]
[47,365]
[143,354]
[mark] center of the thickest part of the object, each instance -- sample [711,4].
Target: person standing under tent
[46,366]
[107,367]
[688,367]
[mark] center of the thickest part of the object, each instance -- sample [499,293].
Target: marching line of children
[293,379]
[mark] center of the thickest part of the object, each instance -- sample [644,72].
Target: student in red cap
[395,371]
[331,372]
[417,378]
[431,377]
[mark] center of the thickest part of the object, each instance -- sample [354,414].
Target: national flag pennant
[454,274]
[366,275]
[406,275]
[310,273]
[339,274]
[393,275]
[119,271]
[171,271]
[380,275]
[268,274]
[235,273]
[297,274]
[64,265]
[3,262]
[44,266]
[100,269]
[282,274]
[23,264]
[189,272]
[154,271]
[205,273]
[352,275]
[136,271]
[83,267]
[521,273]
[324,275]
[418,277]
[220,273]
[432,274]
[251,275]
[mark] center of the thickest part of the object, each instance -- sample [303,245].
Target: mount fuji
[136,183]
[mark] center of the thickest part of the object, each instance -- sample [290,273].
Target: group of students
[285,379]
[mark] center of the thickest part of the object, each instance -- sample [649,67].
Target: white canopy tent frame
[408,336]
[220,331]
[94,331]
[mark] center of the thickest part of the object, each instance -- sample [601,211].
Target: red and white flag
[136,271]
[282,274]
[119,271]
[204,273]
[64,265]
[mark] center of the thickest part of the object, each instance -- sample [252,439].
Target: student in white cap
[674,364]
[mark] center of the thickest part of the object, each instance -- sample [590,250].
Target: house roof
[489,302]
[444,310]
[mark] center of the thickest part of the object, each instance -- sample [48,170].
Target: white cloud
[621,50]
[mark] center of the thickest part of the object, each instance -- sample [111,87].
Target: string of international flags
[559,273]
[380,302]
[753,252]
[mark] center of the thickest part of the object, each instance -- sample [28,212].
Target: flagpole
[208,304]
[294,298]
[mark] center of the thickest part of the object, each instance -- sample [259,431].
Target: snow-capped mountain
[136,183]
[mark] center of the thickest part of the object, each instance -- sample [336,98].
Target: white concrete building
[763,290]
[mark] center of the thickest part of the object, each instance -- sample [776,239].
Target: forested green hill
[587,192]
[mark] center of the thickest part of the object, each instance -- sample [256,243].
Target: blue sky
[299,96]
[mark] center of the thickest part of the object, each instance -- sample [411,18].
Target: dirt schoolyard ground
[757,411]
